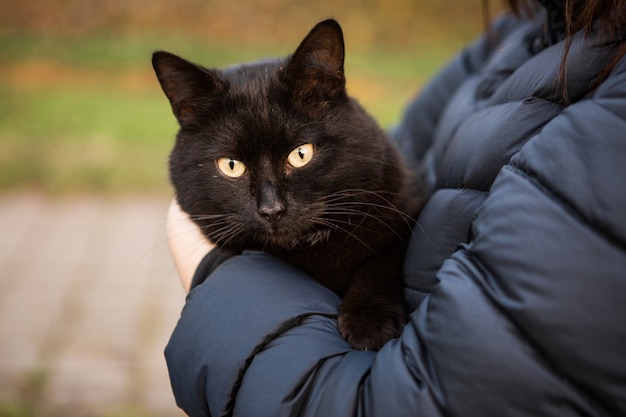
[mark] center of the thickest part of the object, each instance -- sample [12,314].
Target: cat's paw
[370,328]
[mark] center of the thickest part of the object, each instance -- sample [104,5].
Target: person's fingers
[186,242]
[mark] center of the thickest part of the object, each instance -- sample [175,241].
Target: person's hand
[186,242]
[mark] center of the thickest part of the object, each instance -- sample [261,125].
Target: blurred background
[88,295]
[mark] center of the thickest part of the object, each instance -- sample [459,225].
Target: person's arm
[187,244]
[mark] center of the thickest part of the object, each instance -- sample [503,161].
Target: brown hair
[607,17]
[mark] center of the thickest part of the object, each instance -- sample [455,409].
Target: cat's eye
[301,156]
[231,167]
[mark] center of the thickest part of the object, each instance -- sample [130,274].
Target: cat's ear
[190,88]
[315,71]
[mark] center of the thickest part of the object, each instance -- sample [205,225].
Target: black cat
[275,156]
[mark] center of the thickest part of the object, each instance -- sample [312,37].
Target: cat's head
[272,152]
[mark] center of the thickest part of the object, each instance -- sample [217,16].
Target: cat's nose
[272,212]
[270,205]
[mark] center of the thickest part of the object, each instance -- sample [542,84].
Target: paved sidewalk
[88,298]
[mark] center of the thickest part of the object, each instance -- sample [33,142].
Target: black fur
[344,217]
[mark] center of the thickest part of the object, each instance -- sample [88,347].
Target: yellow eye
[231,167]
[301,156]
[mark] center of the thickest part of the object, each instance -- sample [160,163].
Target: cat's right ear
[190,88]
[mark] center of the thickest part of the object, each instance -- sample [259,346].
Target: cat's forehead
[255,91]
[260,75]
[254,114]
[246,134]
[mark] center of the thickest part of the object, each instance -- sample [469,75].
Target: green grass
[80,125]
[105,51]
[78,113]
[85,140]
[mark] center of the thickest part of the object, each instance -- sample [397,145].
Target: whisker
[364,215]
[327,223]
[222,228]
[392,209]
[337,197]
[208,216]
[350,192]
[355,226]
[226,233]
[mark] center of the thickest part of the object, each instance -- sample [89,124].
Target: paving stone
[88,298]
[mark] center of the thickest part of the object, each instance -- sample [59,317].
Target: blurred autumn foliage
[80,108]
[379,22]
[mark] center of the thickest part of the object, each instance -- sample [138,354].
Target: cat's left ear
[190,88]
[315,71]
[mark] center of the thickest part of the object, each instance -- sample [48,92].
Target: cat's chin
[316,236]
[277,240]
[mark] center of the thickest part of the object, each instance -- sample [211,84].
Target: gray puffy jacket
[516,274]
